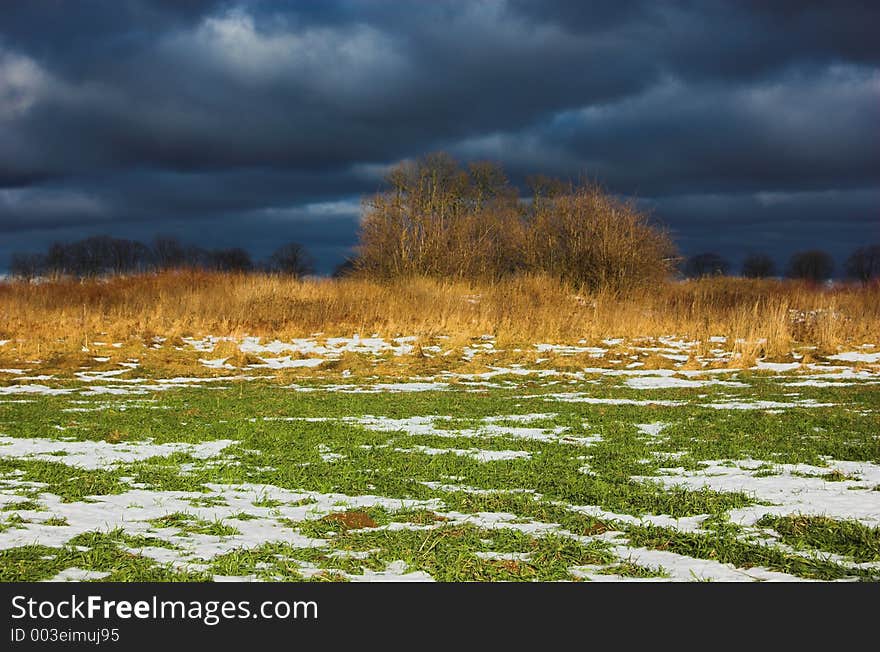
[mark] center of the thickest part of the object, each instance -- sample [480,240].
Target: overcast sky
[741,125]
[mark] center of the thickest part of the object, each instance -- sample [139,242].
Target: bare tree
[234,259]
[438,219]
[706,264]
[544,187]
[591,239]
[27,266]
[57,259]
[812,265]
[291,259]
[758,266]
[102,255]
[864,263]
[196,257]
[168,252]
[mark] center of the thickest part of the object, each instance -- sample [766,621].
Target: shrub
[591,239]
[439,219]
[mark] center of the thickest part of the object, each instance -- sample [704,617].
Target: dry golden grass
[768,318]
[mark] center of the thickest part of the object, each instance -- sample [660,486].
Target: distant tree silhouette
[196,257]
[234,259]
[105,255]
[102,255]
[706,264]
[57,262]
[291,259]
[758,266]
[813,265]
[168,252]
[27,266]
[864,263]
[94,256]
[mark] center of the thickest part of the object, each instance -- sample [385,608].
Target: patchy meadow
[370,458]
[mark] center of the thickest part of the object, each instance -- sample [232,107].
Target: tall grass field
[206,426]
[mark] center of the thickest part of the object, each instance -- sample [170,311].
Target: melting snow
[475,453]
[789,493]
[855,356]
[75,574]
[660,382]
[100,454]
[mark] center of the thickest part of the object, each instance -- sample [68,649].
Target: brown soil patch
[352,520]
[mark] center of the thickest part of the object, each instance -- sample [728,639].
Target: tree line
[811,265]
[104,255]
[437,217]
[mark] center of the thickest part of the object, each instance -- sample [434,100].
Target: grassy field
[438,457]
[757,317]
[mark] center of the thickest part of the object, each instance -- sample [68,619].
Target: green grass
[189,524]
[95,551]
[465,512]
[729,549]
[847,538]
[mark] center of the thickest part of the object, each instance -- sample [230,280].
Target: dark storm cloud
[140,116]
[796,131]
[239,89]
[741,38]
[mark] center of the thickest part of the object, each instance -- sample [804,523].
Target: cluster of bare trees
[440,219]
[811,265]
[104,255]
[864,263]
[705,264]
